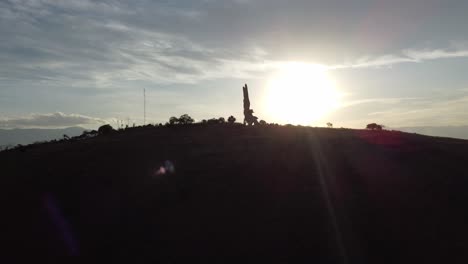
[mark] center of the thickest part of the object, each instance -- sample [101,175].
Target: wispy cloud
[406,56]
[427,54]
[378,101]
[104,43]
[50,120]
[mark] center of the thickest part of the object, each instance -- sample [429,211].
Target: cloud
[378,101]
[406,56]
[50,120]
[104,43]
[422,55]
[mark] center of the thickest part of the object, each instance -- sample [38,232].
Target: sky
[84,63]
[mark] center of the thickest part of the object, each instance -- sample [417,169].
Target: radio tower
[144,106]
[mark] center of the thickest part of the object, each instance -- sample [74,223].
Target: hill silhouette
[281,192]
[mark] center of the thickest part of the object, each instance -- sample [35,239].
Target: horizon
[24,136]
[86,63]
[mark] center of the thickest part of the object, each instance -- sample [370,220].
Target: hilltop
[326,195]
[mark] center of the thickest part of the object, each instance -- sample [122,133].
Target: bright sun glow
[300,94]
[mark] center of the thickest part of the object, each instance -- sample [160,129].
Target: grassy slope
[324,194]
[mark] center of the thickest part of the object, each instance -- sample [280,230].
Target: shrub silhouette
[87,134]
[173,120]
[262,122]
[185,119]
[105,129]
[374,126]
[221,120]
[231,120]
[212,121]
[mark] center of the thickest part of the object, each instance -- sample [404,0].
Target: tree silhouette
[185,119]
[105,129]
[329,125]
[374,126]
[173,120]
[231,120]
[262,122]
[221,120]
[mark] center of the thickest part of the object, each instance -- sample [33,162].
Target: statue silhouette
[249,118]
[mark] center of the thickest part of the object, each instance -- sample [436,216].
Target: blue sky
[64,63]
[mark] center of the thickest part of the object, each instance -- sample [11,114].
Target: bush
[212,121]
[87,134]
[105,130]
[231,120]
[262,122]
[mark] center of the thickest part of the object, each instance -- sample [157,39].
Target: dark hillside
[329,195]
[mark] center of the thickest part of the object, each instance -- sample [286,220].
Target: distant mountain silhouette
[439,131]
[31,135]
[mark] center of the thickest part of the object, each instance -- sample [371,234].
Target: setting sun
[300,93]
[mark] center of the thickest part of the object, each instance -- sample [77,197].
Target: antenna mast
[144,106]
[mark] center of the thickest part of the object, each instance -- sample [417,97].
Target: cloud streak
[378,101]
[406,56]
